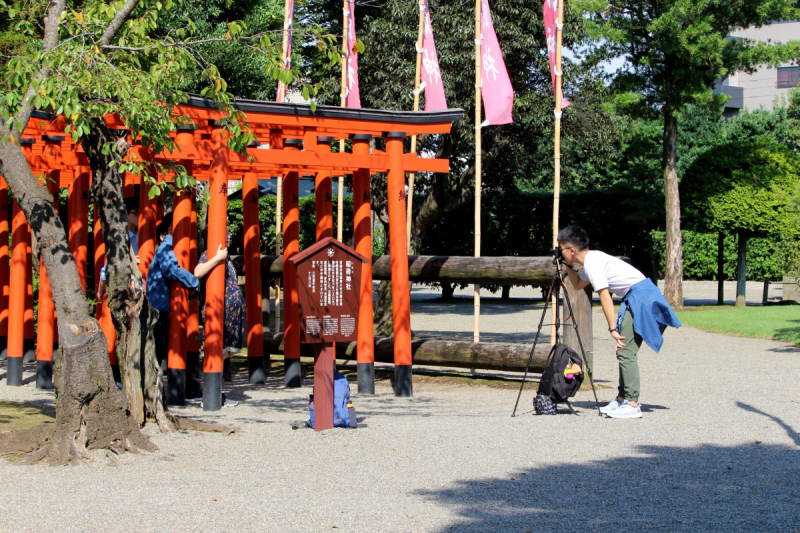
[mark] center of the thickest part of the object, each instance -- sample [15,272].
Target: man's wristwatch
[613,329]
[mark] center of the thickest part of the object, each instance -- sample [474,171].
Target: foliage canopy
[743,187]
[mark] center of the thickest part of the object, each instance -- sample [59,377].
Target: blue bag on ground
[341,395]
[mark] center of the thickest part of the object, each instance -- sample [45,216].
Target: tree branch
[48,43]
[447,198]
[202,41]
[117,22]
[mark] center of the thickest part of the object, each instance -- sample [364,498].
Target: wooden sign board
[328,283]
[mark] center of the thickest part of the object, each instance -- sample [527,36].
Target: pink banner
[431,77]
[287,25]
[498,95]
[352,98]
[550,8]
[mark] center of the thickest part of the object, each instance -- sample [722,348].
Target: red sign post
[328,289]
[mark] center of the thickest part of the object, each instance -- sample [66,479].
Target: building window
[788,77]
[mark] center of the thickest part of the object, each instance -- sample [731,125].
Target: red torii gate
[299,142]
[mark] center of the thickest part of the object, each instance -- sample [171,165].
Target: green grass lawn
[771,322]
[21,416]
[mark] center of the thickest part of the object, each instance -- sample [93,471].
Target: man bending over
[643,315]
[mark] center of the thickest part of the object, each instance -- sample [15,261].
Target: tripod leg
[535,341]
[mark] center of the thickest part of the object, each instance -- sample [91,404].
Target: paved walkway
[718,449]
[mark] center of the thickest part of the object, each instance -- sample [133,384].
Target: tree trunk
[130,310]
[382,323]
[131,313]
[447,290]
[90,411]
[721,269]
[673,279]
[506,294]
[741,273]
[652,256]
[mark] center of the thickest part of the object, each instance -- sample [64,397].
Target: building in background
[766,86]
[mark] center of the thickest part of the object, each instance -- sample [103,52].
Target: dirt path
[718,449]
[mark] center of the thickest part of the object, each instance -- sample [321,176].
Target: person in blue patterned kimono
[233,320]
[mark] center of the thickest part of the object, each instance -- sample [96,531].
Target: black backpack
[554,386]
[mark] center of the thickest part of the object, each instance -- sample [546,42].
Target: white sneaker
[613,404]
[626,410]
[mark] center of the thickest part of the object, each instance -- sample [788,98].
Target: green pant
[628,361]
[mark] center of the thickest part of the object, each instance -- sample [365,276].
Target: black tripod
[555,288]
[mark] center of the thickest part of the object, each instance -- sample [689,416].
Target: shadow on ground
[791,334]
[706,488]
[790,431]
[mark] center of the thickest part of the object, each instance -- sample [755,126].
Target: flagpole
[279,188]
[278,235]
[287,17]
[557,149]
[476,335]
[417,76]
[343,101]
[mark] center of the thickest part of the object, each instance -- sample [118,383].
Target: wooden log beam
[514,270]
[480,355]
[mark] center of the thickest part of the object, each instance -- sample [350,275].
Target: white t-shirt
[607,272]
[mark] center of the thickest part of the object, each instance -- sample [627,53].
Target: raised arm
[577,283]
[202,269]
[174,272]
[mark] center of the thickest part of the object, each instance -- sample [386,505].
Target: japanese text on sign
[329,277]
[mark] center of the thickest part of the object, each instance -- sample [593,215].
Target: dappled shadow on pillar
[752,487]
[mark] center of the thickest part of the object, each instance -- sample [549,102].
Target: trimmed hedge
[742,187]
[766,258]
[520,224]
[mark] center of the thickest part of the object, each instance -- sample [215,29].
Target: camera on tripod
[546,405]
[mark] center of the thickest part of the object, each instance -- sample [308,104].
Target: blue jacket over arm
[163,269]
[651,313]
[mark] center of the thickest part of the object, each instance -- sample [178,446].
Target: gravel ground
[718,449]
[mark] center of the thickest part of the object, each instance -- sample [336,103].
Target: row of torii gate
[299,142]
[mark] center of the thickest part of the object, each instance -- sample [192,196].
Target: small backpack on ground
[554,386]
[341,397]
